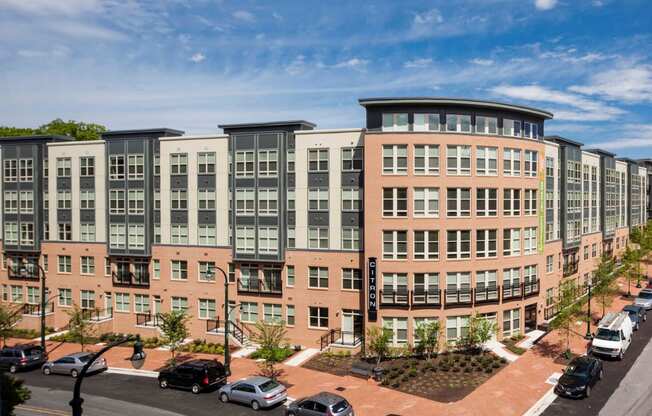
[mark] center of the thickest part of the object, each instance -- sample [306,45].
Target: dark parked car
[21,357]
[320,404]
[579,377]
[194,375]
[637,314]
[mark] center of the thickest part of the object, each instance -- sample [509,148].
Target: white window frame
[397,239]
[458,153]
[425,202]
[431,161]
[461,239]
[392,155]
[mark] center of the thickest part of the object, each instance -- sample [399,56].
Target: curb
[132,372]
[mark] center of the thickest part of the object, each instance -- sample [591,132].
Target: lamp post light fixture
[24,269]
[227,354]
[588,335]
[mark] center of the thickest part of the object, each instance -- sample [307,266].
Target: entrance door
[156,305]
[530,317]
[108,304]
[351,326]
[491,317]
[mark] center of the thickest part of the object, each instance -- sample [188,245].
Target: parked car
[73,363]
[644,299]
[323,403]
[21,357]
[579,377]
[637,314]
[257,392]
[614,335]
[195,375]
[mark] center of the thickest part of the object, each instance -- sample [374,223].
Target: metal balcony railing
[34,309]
[148,319]
[512,291]
[458,297]
[260,286]
[426,297]
[128,279]
[487,294]
[397,297]
[531,288]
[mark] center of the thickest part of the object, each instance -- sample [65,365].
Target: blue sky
[193,64]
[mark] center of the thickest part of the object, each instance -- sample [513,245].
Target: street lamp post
[227,353]
[588,318]
[43,297]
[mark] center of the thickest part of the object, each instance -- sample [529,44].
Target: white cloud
[482,62]
[244,15]
[633,136]
[353,63]
[418,63]
[57,51]
[626,84]
[545,4]
[78,29]
[297,66]
[48,7]
[426,22]
[198,57]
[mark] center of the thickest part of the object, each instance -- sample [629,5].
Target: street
[115,394]
[622,392]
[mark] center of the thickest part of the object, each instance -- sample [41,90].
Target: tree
[631,267]
[480,331]
[80,328]
[604,282]
[12,393]
[174,326]
[570,308]
[8,319]
[271,337]
[377,343]
[427,334]
[75,129]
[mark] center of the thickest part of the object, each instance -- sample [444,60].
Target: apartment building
[436,210]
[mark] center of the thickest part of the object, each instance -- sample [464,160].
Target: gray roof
[564,140]
[268,124]
[601,152]
[161,131]
[43,137]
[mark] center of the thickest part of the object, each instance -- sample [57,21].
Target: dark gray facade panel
[318,180]
[291,181]
[352,219]
[318,218]
[115,147]
[157,182]
[64,183]
[157,216]
[245,183]
[245,220]
[179,217]
[135,219]
[267,220]
[178,182]
[352,179]
[206,182]
[268,141]
[87,182]
[245,142]
[135,146]
[550,215]
[10,186]
[87,215]
[117,219]
[206,217]
[136,184]
[64,215]
[116,185]
[292,217]
[268,182]
[9,152]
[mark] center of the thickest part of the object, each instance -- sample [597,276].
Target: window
[485,282]
[156,269]
[245,201]
[530,201]
[550,167]
[207,235]
[157,164]
[117,235]
[141,303]
[289,315]
[137,236]
[136,199]
[486,203]
[292,237]
[426,287]
[352,159]
[107,266]
[460,123]
[511,162]
[87,265]
[426,245]
[17,294]
[87,199]
[122,302]
[458,244]
[426,122]
[530,240]
[290,156]
[249,312]
[318,160]
[486,125]
[64,199]
[395,202]
[179,198]
[244,164]
[267,201]
[318,199]
[179,233]
[397,329]
[549,263]
[594,250]
[11,233]
[179,270]
[351,199]
[179,304]
[511,128]
[207,309]
[290,276]
[530,165]
[136,165]
[272,313]
[458,160]
[178,163]
[530,278]
[65,231]
[26,170]
[530,130]
[426,159]
[268,240]
[117,201]
[486,245]
[457,327]
[11,202]
[351,238]
[511,242]
[87,299]
[87,166]
[206,163]
[458,202]
[395,122]
[318,317]
[318,277]
[458,287]
[26,202]
[511,202]
[46,263]
[351,279]
[64,167]
[206,199]
[291,202]
[267,163]
[486,161]
[318,237]
[426,202]
[395,159]
[26,233]
[65,297]
[11,170]
[245,240]
[116,167]
[394,245]
[511,322]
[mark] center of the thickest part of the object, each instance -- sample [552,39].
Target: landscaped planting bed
[510,344]
[338,364]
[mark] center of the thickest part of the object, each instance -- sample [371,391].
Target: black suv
[195,375]
[22,357]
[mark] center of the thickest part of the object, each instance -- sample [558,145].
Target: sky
[194,64]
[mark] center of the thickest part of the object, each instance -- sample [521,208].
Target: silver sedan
[72,364]
[257,392]
[644,299]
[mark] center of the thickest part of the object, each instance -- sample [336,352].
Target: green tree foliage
[80,328]
[377,343]
[604,282]
[12,393]
[480,331]
[570,309]
[272,341]
[8,318]
[427,334]
[78,130]
[631,266]
[174,326]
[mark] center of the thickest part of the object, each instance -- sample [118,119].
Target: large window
[179,304]
[87,199]
[245,241]
[87,265]
[511,202]
[136,198]
[530,201]
[318,237]
[87,298]
[352,159]
[458,287]
[486,125]
[351,199]
[207,235]
[530,240]
[395,122]
[395,245]
[244,164]
[318,160]
[318,199]
[458,160]
[426,245]
[318,277]
[206,271]
[207,309]
[117,235]
[64,167]
[486,245]
[457,327]
[458,244]
[179,199]
[531,163]
[426,122]
[426,159]
[64,199]
[11,202]
[486,203]
[179,233]
[511,128]
[137,236]
[116,201]
[26,233]
[206,163]
[11,233]
[395,202]
[26,202]
[397,328]
[318,317]
[65,297]
[511,162]
[206,199]
[10,170]
[511,322]
[351,279]
[136,165]
[87,232]
[511,242]
[267,201]
[64,264]
[460,123]
[486,161]
[245,201]
[26,171]
[116,167]
[268,240]
[65,231]
[426,202]
[530,130]
[179,269]
[458,202]
[178,163]
[272,313]
[267,163]
[395,159]
[351,238]
[249,312]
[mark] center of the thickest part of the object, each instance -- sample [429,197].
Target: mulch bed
[339,365]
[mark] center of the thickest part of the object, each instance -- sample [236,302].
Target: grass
[510,344]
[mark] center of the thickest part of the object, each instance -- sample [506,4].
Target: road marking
[42,410]
[540,406]
[130,372]
[288,401]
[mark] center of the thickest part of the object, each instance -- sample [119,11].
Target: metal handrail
[260,286]
[212,325]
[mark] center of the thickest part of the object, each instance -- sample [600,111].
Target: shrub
[496,365]
[404,379]
[503,361]
[385,382]
[456,369]
[467,370]
[463,364]
[276,354]
[488,370]
[406,365]
[445,368]
[395,385]
[456,358]
[413,372]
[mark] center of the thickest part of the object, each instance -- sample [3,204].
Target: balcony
[128,279]
[273,287]
[571,268]
[98,315]
[340,338]
[458,297]
[34,309]
[148,320]
[395,297]
[512,291]
[430,297]
[531,288]
[489,294]
[23,273]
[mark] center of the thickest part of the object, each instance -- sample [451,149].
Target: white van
[614,335]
